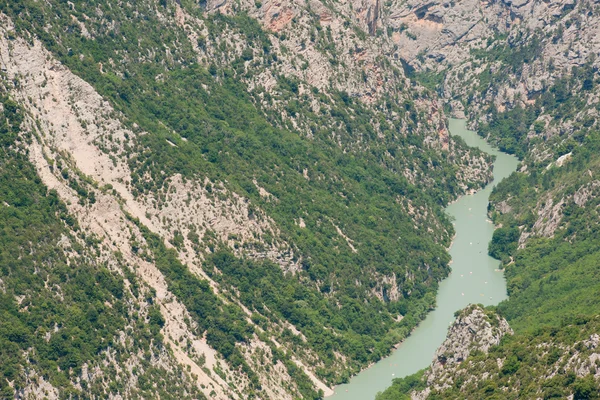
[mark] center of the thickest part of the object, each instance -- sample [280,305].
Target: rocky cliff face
[470,41]
[73,119]
[266,170]
[562,362]
[474,330]
[497,58]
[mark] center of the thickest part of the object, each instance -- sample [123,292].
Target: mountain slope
[530,84]
[279,210]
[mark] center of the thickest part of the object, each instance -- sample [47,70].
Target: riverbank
[474,279]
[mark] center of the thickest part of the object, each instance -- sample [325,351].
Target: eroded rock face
[72,118]
[443,30]
[339,47]
[435,34]
[574,354]
[494,57]
[435,28]
[470,40]
[474,330]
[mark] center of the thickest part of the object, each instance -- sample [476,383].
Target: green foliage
[527,359]
[504,243]
[224,324]
[511,365]
[429,79]
[354,177]
[509,129]
[59,308]
[513,53]
[78,323]
[352,328]
[551,278]
[401,387]
[223,133]
[553,281]
[585,388]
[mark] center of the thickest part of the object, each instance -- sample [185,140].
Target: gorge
[475,279]
[240,199]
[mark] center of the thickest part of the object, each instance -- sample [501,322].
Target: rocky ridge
[474,330]
[557,358]
[72,124]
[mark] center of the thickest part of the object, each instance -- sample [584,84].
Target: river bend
[474,279]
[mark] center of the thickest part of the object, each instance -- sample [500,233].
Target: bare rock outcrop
[475,329]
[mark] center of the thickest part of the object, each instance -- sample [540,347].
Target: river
[474,279]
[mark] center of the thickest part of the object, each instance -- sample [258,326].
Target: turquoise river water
[475,278]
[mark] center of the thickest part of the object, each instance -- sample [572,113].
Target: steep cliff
[256,188]
[474,331]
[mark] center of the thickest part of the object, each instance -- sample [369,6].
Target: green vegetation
[228,134]
[60,307]
[504,243]
[509,129]
[512,52]
[352,331]
[429,79]
[553,281]
[401,388]
[527,359]
[225,324]
[552,278]
[563,100]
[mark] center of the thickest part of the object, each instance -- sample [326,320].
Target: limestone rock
[474,330]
